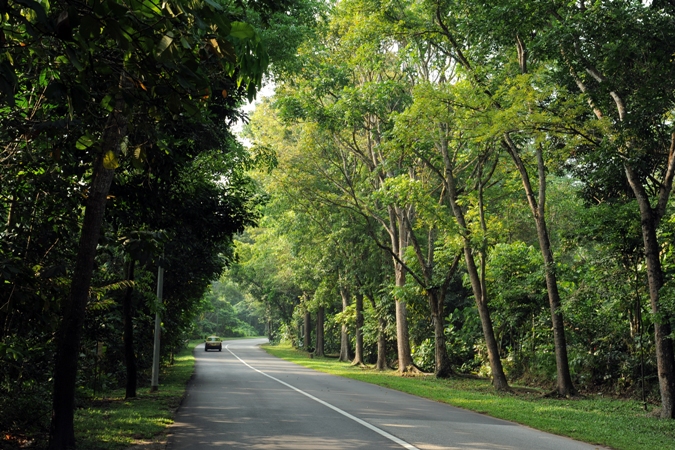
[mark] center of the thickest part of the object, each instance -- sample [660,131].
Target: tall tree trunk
[565,387]
[479,293]
[435,295]
[319,351]
[358,334]
[381,337]
[498,376]
[405,361]
[382,344]
[443,369]
[62,434]
[344,335]
[649,222]
[129,353]
[307,338]
[399,244]
[665,359]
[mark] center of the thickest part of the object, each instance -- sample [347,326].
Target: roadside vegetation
[476,188]
[435,186]
[111,422]
[620,424]
[118,155]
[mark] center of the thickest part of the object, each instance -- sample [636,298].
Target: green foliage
[226,312]
[112,422]
[180,69]
[407,78]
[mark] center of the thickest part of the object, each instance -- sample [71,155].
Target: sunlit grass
[113,423]
[618,424]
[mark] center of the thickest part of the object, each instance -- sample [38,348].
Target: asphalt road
[243,398]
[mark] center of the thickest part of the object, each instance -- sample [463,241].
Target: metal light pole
[158,327]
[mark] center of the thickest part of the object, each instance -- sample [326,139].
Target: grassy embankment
[113,423]
[618,424]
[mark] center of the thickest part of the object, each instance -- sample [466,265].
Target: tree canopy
[437,186]
[513,162]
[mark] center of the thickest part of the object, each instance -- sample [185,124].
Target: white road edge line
[379,431]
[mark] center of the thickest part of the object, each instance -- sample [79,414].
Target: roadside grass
[113,423]
[618,424]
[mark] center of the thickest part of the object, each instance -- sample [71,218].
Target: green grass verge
[618,424]
[113,423]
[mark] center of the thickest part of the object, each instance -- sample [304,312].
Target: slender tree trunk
[479,293]
[344,335]
[358,334]
[498,376]
[565,387]
[665,359]
[382,344]
[319,351]
[344,344]
[435,295]
[443,367]
[405,361]
[129,353]
[62,434]
[307,338]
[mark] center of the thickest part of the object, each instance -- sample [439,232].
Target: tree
[629,91]
[347,113]
[112,56]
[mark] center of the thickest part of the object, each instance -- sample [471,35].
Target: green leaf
[163,45]
[139,157]
[190,108]
[242,30]
[113,30]
[38,8]
[84,142]
[228,51]
[105,103]
[223,23]
[214,4]
[124,145]
[110,161]
[152,7]
[117,9]
[72,56]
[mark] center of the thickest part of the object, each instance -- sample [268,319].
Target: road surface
[243,398]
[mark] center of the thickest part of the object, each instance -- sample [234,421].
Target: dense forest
[118,156]
[469,187]
[463,188]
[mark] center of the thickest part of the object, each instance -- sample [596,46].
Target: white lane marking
[379,431]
